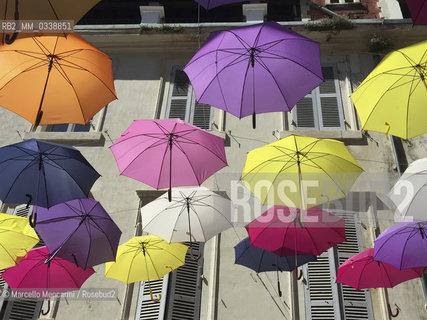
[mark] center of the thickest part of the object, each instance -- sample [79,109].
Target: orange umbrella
[55,79]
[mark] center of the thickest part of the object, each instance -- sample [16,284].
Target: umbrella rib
[378,101]
[71,277]
[31,163]
[179,147]
[8,253]
[202,146]
[408,106]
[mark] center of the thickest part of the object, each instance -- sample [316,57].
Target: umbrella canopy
[197,214]
[145,258]
[255,69]
[16,239]
[418,10]
[261,260]
[55,276]
[210,4]
[410,191]
[403,245]
[361,271]
[79,231]
[392,97]
[45,9]
[66,79]
[277,230]
[278,173]
[49,173]
[168,153]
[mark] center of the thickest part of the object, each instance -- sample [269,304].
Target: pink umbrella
[56,276]
[361,271]
[279,230]
[168,153]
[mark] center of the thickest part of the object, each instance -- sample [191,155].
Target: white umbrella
[194,214]
[409,194]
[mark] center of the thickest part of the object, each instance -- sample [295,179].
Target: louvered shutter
[329,101]
[28,308]
[322,108]
[182,103]
[321,291]
[148,309]
[201,116]
[179,96]
[185,287]
[356,303]
[304,114]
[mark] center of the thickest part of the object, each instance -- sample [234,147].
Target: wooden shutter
[182,103]
[202,116]
[180,95]
[148,309]
[328,101]
[321,291]
[322,108]
[356,303]
[19,308]
[185,287]
[304,114]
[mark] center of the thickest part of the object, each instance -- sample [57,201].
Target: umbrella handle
[170,194]
[9,39]
[30,198]
[278,288]
[390,312]
[296,273]
[48,308]
[154,299]
[33,218]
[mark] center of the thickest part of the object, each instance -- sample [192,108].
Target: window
[179,292]
[182,103]
[325,299]
[322,108]
[69,127]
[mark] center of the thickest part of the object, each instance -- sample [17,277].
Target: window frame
[190,101]
[315,95]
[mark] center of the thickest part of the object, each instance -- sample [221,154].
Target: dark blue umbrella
[79,231]
[261,260]
[43,173]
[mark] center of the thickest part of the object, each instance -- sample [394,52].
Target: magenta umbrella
[418,10]
[255,69]
[56,276]
[168,153]
[361,271]
[278,230]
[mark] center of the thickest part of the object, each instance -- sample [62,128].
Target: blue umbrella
[261,260]
[43,173]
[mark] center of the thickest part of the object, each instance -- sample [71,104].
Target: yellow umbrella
[393,97]
[16,239]
[300,172]
[145,258]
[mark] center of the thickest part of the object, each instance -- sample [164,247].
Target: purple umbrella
[79,231]
[418,10]
[403,245]
[210,4]
[255,69]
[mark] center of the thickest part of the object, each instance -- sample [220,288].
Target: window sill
[73,138]
[346,136]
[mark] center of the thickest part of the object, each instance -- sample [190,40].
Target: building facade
[149,44]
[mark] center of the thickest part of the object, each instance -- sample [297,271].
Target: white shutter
[322,108]
[356,303]
[182,103]
[304,114]
[185,287]
[147,309]
[321,291]
[329,102]
[21,309]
